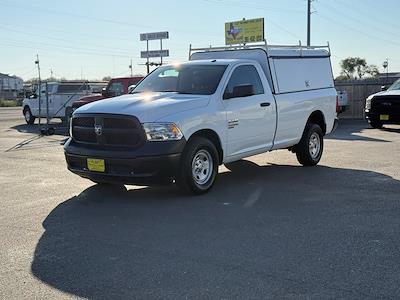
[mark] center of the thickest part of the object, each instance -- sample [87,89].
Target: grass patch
[10,103]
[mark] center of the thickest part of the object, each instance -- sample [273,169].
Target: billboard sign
[245,31]
[154,36]
[154,53]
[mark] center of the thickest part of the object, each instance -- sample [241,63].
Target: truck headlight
[156,132]
[368,103]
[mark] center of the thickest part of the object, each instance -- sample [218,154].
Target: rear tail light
[337,104]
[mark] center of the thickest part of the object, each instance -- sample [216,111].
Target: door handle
[265,104]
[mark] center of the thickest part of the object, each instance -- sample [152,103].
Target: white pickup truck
[182,121]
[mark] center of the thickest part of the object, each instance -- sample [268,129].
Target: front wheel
[199,166]
[375,124]
[29,118]
[309,149]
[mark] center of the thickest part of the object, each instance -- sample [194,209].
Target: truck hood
[388,93]
[147,107]
[87,99]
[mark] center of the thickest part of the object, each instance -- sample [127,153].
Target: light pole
[309,23]
[39,87]
[386,66]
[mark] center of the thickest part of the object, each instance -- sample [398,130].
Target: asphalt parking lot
[269,229]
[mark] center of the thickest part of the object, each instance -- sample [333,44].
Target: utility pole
[147,63]
[309,23]
[161,50]
[386,66]
[39,87]
[130,67]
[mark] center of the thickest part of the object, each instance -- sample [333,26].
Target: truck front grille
[108,130]
[386,104]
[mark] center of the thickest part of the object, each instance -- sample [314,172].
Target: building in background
[10,86]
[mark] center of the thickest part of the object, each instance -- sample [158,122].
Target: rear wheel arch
[317,117]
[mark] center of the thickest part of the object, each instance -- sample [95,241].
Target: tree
[353,64]
[372,70]
[359,66]
[106,78]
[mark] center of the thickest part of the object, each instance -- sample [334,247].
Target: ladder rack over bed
[263,46]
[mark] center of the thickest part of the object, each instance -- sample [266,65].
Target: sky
[91,39]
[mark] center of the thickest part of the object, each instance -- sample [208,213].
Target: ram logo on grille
[98,129]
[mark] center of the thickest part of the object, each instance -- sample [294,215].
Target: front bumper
[394,117]
[153,163]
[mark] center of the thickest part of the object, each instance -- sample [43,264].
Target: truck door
[250,110]
[43,100]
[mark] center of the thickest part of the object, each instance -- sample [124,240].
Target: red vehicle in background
[115,87]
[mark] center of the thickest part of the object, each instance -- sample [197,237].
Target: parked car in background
[60,96]
[114,88]
[384,107]
[343,101]
[182,121]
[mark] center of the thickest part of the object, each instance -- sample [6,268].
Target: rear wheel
[199,166]
[29,118]
[375,124]
[309,149]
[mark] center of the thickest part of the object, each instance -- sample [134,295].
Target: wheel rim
[27,115]
[202,167]
[314,145]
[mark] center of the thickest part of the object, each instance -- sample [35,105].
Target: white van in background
[60,97]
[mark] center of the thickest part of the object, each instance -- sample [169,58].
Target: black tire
[309,149]
[375,124]
[29,118]
[68,115]
[202,151]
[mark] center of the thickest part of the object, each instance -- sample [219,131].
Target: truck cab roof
[219,61]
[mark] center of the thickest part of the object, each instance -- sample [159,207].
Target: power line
[104,20]
[64,41]
[342,13]
[22,44]
[325,17]
[247,5]
[283,29]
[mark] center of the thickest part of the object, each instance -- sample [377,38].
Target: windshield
[183,79]
[395,85]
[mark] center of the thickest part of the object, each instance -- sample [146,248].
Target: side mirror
[383,88]
[131,88]
[243,91]
[104,92]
